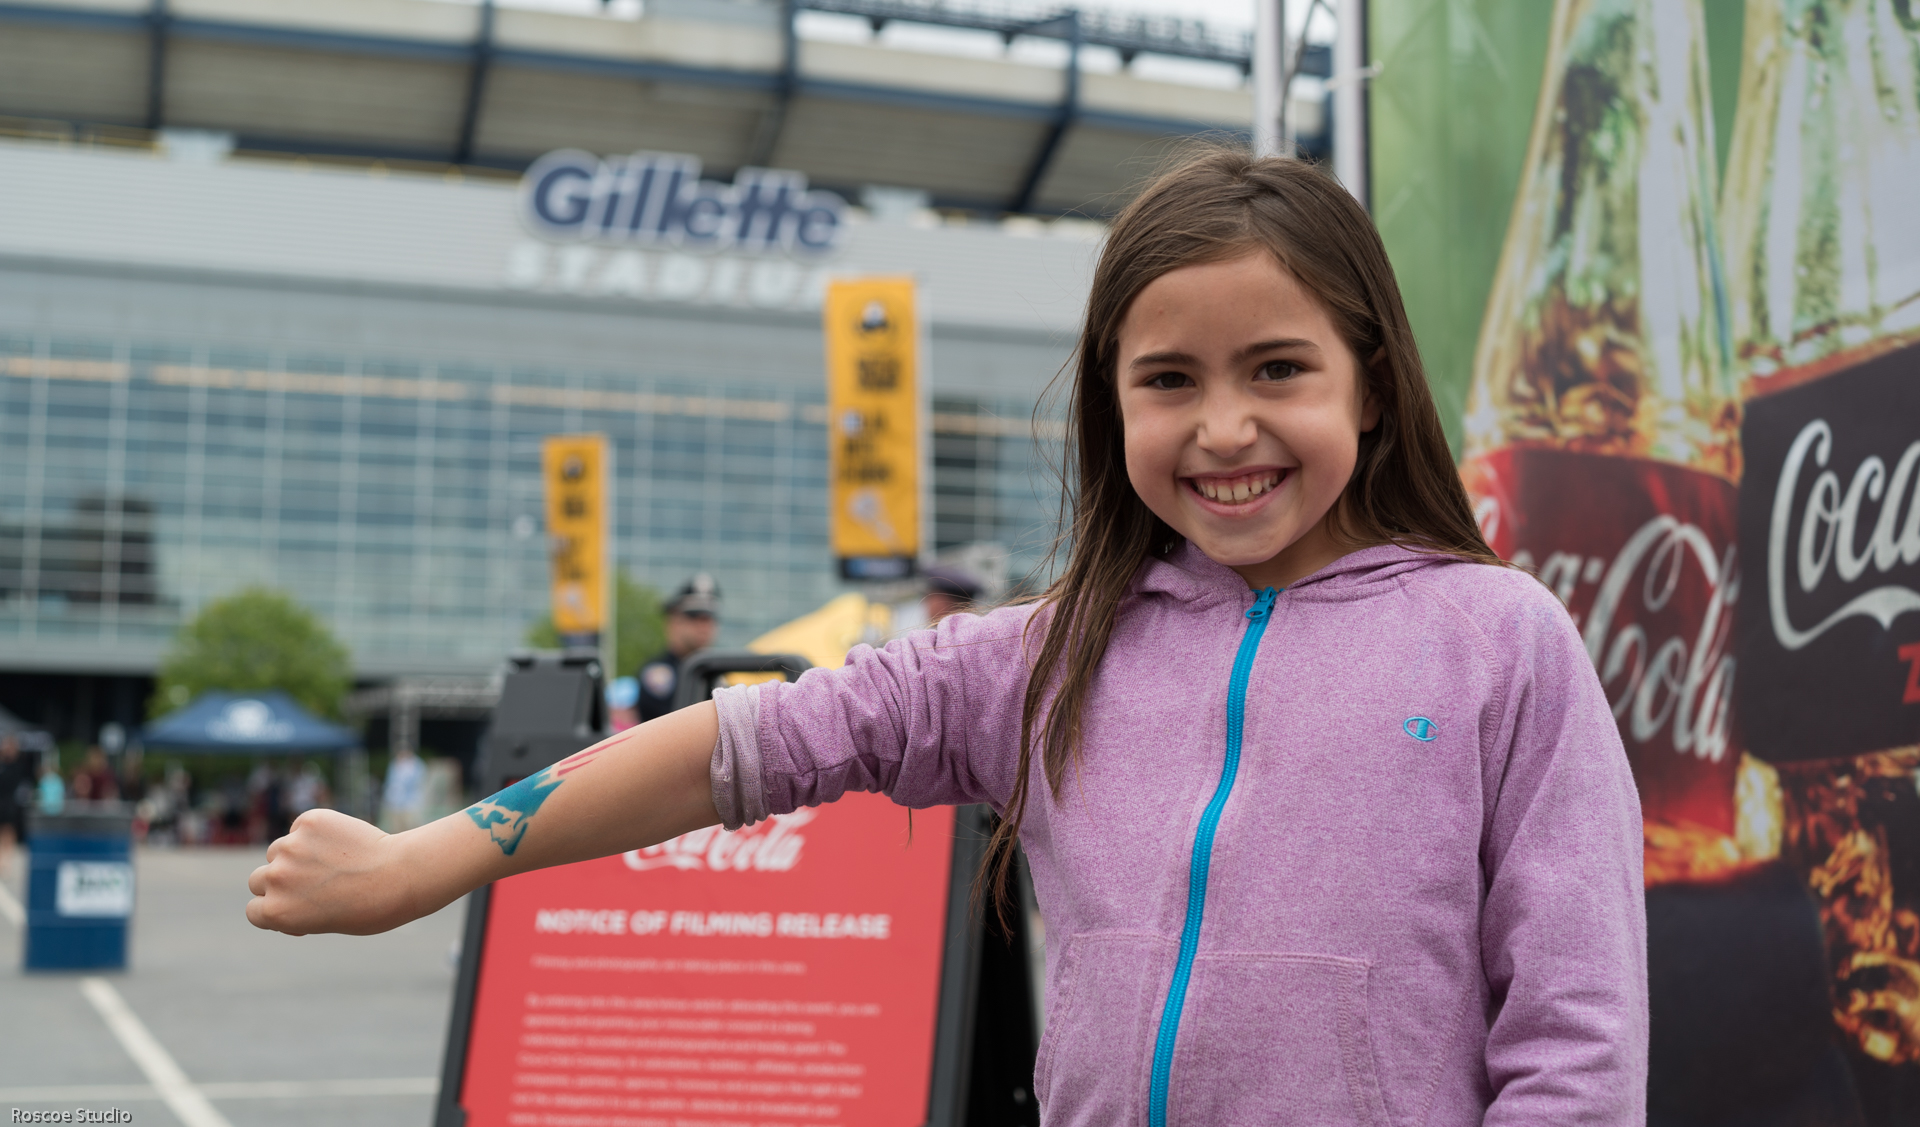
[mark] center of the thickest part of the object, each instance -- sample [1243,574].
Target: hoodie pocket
[1275,1039]
[1094,1056]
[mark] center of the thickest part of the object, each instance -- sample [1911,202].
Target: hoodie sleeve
[1563,928]
[930,719]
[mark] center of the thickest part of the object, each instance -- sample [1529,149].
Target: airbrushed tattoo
[506,815]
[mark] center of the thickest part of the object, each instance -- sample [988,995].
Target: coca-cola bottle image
[1822,221]
[1602,425]
[1823,180]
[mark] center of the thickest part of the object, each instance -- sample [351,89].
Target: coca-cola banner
[1830,522]
[1663,261]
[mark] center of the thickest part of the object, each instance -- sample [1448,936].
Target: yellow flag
[873,423]
[574,467]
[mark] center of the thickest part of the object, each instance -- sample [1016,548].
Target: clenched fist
[332,873]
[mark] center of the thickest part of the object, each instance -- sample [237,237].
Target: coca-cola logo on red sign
[1680,686]
[772,846]
[1651,581]
[1831,509]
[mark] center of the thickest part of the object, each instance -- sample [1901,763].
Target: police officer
[693,616]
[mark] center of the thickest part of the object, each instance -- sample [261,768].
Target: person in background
[308,790]
[94,781]
[53,791]
[693,617]
[187,826]
[131,782]
[949,590]
[623,703]
[404,795]
[164,806]
[133,776]
[16,789]
[234,812]
[268,789]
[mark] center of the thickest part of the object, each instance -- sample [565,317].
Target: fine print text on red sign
[785,974]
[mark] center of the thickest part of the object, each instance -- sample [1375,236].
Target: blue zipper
[1203,858]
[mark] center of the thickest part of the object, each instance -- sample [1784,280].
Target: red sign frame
[814,969]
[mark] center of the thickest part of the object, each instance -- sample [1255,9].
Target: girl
[1326,814]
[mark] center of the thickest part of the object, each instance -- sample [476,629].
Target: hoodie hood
[1189,575]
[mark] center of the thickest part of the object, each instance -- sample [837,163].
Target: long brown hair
[1215,204]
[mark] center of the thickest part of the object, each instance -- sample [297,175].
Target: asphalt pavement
[216,1024]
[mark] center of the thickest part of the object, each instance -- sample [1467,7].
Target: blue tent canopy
[246,724]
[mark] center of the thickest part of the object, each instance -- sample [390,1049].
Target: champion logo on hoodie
[1421,728]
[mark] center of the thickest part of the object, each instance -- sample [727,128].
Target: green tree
[252,641]
[640,630]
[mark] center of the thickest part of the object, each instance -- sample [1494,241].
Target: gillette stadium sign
[658,199]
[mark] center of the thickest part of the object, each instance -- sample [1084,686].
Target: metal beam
[1350,157]
[1289,71]
[302,39]
[1162,126]
[476,85]
[1269,77]
[767,136]
[1314,59]
[259,35]
[1130,35]
[1064,120]
[643,70]
[876,95]
[298,146]
[788,83]
[366,151]
[901,98]
[640,69]
[158,20]
[72,17]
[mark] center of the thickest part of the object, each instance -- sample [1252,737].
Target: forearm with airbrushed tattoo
[506,815]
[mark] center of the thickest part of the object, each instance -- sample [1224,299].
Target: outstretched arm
[639,788]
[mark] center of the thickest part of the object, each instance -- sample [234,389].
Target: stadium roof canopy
[729,81]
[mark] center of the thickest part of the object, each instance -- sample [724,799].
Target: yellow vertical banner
[575,467]
[874,424]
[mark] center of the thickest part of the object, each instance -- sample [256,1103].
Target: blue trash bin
[79,888]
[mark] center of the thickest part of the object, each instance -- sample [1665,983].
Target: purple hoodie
[1363,851]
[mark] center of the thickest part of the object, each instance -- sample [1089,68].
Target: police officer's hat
[699,595]
[955,582]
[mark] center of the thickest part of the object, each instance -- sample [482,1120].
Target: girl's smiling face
[1242,408]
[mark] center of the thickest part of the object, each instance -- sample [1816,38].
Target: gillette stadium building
[290,294]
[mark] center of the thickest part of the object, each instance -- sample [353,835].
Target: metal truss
[482,54]
[1128,34]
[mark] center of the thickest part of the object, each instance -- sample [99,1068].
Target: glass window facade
[398,493]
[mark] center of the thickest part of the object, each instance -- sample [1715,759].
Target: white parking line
[315,1089]
[10,908]
[187,1102]
[235,1090]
